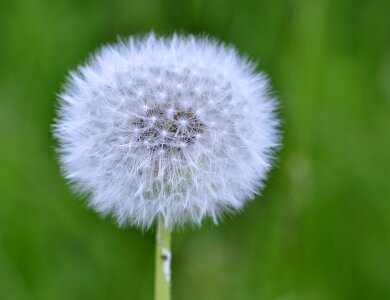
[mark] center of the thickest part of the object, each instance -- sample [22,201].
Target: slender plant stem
[162,284]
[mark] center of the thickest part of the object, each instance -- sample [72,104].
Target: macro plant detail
[166,130]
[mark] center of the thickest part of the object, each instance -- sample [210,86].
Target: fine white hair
[176,127]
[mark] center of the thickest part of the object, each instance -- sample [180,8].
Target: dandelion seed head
[181,128]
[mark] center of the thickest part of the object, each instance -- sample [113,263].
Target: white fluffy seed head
[179,128]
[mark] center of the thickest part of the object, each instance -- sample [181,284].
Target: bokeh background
[321,229]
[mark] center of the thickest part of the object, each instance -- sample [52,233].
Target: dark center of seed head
[170,130]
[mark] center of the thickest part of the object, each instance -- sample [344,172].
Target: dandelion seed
[177,128]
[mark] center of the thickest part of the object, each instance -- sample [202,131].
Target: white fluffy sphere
[179,128]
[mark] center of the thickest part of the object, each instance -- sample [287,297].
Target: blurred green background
[320,231]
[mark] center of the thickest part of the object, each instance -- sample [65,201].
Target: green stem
[162,284]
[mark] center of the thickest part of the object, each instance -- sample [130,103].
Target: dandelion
[168,130]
